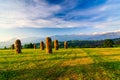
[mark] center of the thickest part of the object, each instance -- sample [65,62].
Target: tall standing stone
[42,45]
[18,46]
[56,45]
[48,45]
[35,46]
[65,45]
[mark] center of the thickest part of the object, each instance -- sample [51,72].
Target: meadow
[63,64]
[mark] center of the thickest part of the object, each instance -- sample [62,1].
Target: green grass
[69,64]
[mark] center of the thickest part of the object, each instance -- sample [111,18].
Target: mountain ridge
[109,35]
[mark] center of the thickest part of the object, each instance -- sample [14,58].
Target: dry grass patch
[109,53]
[64,64]
[73,62]
[70,77]
[115,58]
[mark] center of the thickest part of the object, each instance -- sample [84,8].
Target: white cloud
[14,13]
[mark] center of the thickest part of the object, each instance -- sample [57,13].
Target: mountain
[23,41]
[110,35]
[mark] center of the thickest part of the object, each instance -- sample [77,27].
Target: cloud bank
[60,13]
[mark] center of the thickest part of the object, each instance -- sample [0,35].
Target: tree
[12,46]
[5,47]
[30,45]
[117,42]
[108,43]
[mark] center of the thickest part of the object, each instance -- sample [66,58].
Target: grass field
[69,64]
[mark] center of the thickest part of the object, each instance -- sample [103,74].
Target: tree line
[81,44]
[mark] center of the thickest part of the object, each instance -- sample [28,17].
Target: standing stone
[35,46]
[48,45]
[65,45]
[18,46]
[56,45]
[42,45]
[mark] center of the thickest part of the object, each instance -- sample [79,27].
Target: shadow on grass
[52,57]
[36,53]
[105,70]
[60,57]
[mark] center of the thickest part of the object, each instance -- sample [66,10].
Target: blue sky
[41,18]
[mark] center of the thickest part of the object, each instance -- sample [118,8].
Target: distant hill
[110,35]
[24,40]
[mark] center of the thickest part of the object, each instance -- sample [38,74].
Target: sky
[42,18]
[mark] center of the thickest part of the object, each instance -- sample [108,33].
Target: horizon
[81,34]
[41,18]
